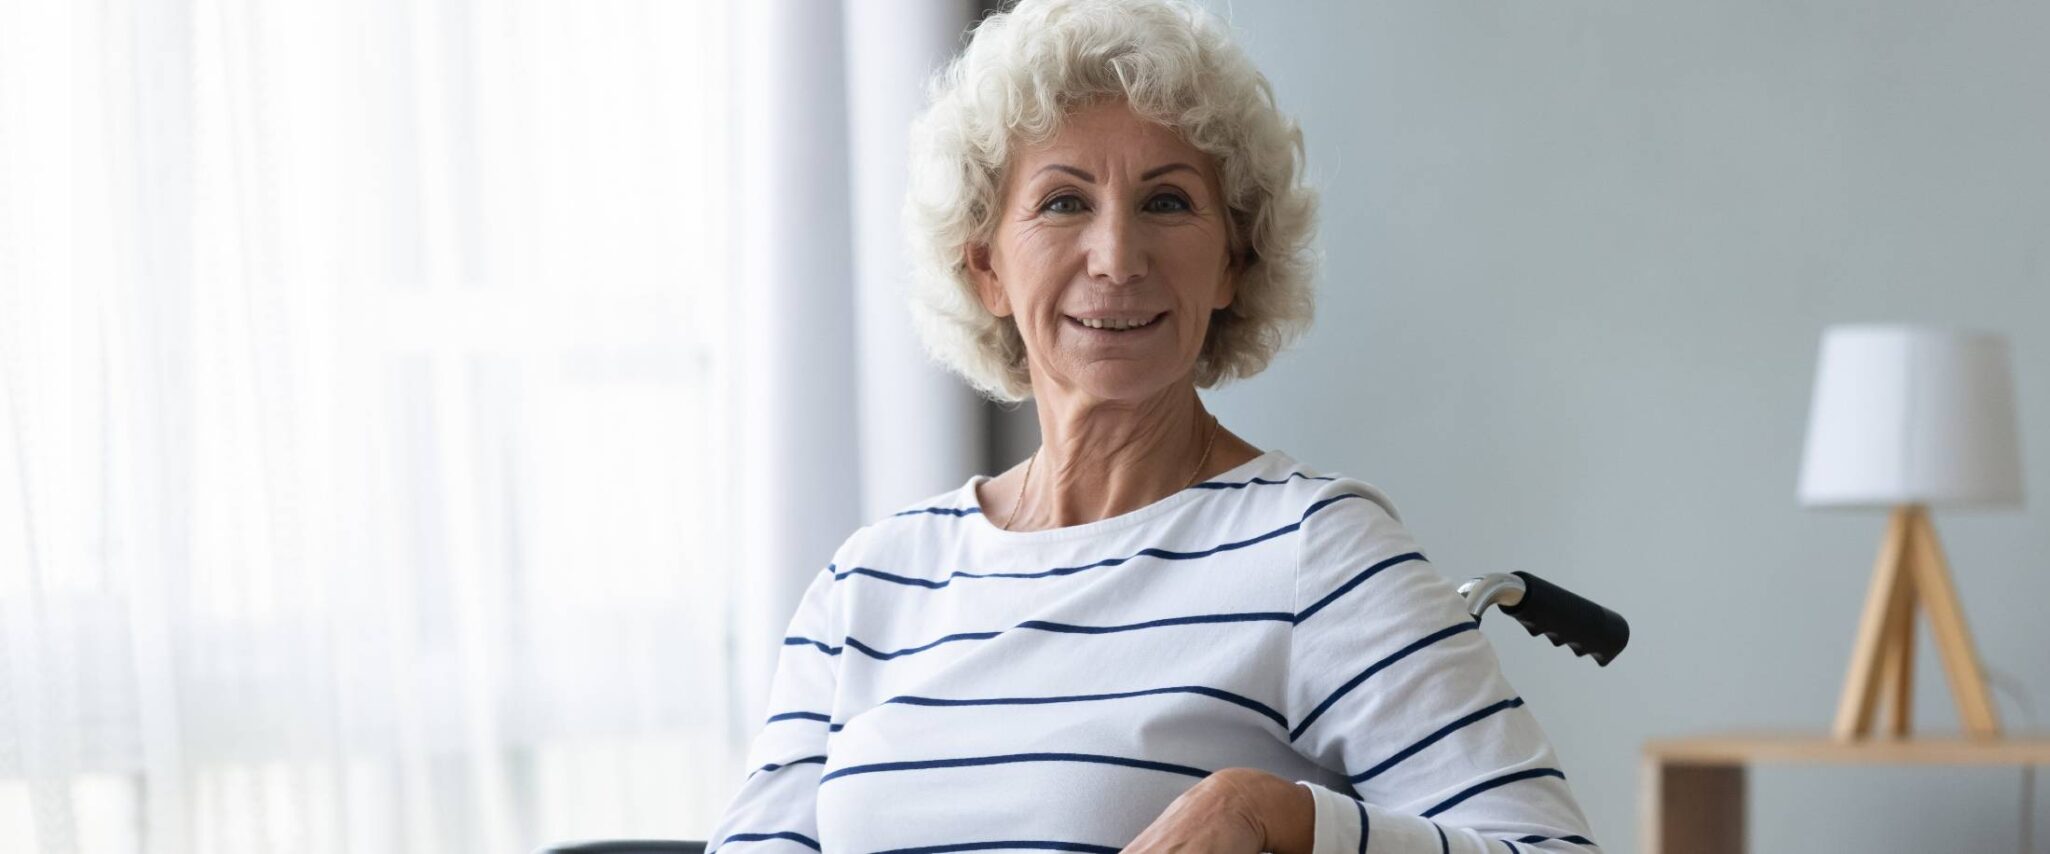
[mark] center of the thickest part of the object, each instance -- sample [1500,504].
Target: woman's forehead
[1110,127]
[1111,136]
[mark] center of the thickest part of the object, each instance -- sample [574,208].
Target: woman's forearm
[1286,812]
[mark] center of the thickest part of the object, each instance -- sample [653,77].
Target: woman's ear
[987,288]
[1235,263]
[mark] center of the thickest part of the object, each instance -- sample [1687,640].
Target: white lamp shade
[1911,415]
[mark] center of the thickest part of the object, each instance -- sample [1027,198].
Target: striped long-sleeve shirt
[946,685]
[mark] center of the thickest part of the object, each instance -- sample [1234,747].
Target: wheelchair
[1541,607]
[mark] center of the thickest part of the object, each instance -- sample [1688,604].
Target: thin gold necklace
[1018,500]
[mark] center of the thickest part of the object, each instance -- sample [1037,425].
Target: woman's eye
[1063,204]
[1167,203]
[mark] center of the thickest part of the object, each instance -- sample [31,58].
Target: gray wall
[1578,257]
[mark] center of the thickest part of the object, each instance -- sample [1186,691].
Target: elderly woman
[1150,635]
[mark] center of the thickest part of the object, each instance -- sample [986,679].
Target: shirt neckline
[987,527]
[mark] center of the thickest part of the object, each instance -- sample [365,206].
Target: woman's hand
[1233,811]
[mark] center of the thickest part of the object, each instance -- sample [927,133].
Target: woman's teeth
[1116,325]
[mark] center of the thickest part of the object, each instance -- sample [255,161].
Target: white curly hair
[1173,62]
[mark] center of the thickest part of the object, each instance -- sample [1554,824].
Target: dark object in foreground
[628,846]
[1544,608]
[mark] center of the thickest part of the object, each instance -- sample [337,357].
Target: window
[365,424]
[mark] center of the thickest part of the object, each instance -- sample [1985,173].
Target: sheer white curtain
[368,415]
[825,94]
[418,419]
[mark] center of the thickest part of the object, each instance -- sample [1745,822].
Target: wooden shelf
[1811,749]
[1694,788]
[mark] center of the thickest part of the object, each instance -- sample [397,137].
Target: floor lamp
[1910,418]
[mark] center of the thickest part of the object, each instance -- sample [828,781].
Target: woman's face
[1114,222]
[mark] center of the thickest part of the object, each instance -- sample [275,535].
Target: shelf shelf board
[1820,749]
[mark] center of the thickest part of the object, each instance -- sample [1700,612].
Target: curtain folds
[414,416]
[826,95]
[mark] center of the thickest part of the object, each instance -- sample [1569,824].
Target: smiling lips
[1119,323]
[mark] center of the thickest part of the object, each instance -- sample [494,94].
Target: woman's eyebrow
[1151,174]
[1063,167]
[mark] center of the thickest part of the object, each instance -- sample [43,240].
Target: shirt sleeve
[1391,683]
[776,809]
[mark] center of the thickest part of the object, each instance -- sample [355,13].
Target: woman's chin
[1125,379]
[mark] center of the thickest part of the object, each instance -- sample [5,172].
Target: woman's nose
[1116,253]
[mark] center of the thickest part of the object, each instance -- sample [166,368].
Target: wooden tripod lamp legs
[1911,571]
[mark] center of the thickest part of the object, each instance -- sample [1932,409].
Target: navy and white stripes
[945,685]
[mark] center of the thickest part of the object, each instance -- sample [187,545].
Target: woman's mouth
[1116,325]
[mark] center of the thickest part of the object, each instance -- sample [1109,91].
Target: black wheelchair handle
[1564,617]
[627,846]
